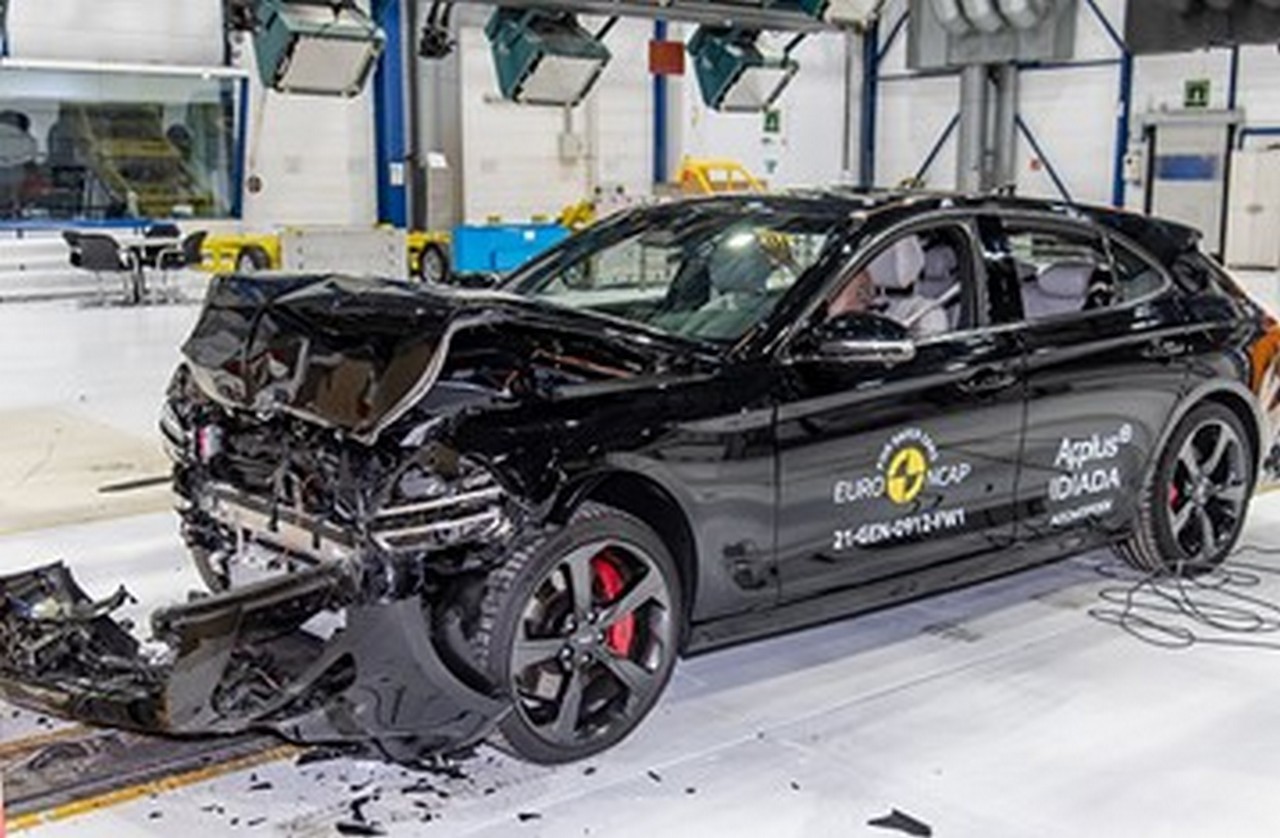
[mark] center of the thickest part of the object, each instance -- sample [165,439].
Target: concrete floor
[1002,710]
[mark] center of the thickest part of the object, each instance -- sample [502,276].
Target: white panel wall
[314,154]
[511,155]
[1071,112]
[809,150]
[123,31]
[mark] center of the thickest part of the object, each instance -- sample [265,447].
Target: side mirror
[863,337]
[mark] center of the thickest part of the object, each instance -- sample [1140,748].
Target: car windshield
[699,272]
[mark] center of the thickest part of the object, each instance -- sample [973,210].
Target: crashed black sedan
[691,425]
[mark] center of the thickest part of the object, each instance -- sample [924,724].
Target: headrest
[940,263]
[740,265]
[1065,280]
[899,266]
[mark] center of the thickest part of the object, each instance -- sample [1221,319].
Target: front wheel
[581,628]
[433,264]
[1194,504]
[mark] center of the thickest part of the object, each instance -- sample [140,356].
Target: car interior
[916,280]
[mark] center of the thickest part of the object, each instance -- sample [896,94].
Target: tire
[252,259]
[433,265]
[1200,485]
[582,674]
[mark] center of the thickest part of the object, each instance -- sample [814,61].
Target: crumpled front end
[321,477]
[240,661]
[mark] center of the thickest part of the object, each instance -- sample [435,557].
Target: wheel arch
[1235,397]
[648,500]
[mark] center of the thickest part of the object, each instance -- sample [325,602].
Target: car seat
[941,273]
[739,271]
[1058,288]
[895,272]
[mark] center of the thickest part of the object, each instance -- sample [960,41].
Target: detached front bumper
[240,661]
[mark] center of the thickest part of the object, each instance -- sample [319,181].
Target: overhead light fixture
[734,73]
[323,47]
[545,57]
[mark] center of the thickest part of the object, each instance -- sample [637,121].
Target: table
[144,251]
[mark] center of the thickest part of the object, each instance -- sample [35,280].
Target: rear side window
[1135,277]
[1060,272]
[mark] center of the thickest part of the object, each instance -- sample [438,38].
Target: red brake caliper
[609,583]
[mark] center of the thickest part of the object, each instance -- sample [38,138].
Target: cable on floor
[1222,607]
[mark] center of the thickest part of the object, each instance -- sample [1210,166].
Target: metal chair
[188,254]
[100,254]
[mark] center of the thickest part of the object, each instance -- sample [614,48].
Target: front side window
[706,276]
[917,280]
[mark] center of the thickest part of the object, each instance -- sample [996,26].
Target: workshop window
[89,145]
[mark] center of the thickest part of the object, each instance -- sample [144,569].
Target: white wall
[511,163]
[809,150]
[123,31]
[1071,112]
[313,154]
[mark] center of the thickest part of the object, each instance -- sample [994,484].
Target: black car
[691,425]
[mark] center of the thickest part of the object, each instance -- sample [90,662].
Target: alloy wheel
[589,649]
[1209,490]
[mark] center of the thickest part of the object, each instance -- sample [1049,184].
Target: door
[887,469]
[1105,365]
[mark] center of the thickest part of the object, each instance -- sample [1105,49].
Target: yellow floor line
[158,786]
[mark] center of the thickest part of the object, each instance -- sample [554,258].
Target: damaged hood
[357,353]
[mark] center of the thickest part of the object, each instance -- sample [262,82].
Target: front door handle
[988,381]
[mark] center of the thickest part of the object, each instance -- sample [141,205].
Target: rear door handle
[988,381]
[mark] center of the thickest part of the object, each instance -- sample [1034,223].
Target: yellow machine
[248,252]
[709,176]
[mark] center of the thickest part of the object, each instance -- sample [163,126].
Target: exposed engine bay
[317,471]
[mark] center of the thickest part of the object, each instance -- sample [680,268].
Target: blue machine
[489,248]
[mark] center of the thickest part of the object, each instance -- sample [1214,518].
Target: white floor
[1003,710]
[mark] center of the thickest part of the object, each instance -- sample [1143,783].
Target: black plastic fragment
[902,822]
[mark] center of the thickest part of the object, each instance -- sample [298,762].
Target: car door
[884,469]
[1105,366]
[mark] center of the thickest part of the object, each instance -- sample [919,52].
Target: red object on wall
[666,58]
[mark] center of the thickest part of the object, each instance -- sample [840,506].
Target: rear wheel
[581,628]
[1194,504]
[252,259]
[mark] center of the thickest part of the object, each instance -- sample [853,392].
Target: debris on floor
[902,822]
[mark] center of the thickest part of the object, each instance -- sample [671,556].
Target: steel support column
[1005,135]
[389,109]
[870,105]
[660,118]
[971,156]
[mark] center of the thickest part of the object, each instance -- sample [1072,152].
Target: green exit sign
[773,121]
[1196,93]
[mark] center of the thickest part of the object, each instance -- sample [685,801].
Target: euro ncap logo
[907,471]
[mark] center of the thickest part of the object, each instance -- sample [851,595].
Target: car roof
[1165,240]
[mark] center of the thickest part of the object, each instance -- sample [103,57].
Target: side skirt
[873,596]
